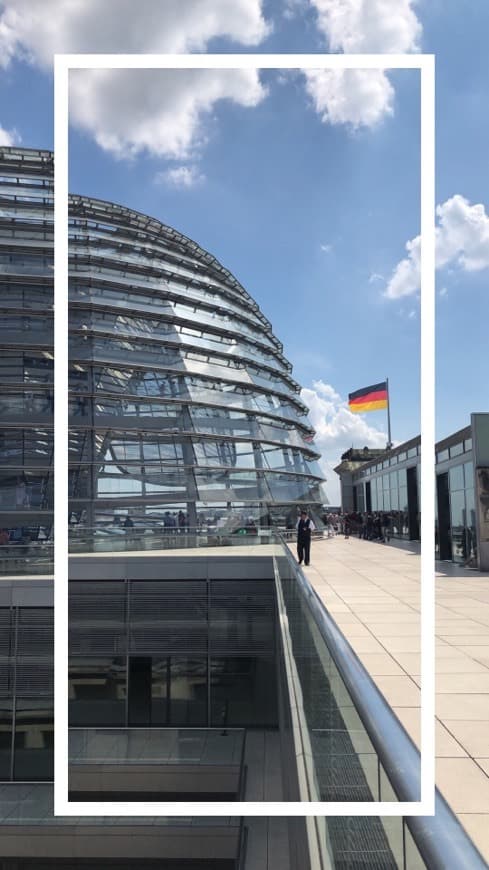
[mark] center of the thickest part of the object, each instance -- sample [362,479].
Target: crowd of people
[369,526]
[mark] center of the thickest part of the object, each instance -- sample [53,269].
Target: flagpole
[389,438]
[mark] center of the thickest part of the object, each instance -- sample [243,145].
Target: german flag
[372,398]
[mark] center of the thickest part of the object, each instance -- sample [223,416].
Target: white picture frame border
[63,63]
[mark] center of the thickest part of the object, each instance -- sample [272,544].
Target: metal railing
[203,747]
[26,557]
[119,539]
[351,746]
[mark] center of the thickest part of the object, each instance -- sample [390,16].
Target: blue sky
[306,189]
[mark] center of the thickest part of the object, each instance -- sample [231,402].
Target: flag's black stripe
[375,388]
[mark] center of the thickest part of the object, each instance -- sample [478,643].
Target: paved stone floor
[373,592]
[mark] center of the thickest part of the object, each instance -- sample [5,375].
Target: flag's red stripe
[380,395]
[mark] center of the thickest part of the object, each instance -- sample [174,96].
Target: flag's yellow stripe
[358,408]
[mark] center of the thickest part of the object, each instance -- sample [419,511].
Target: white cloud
[462,234]
[405,277]
[337,429]
[9,137]
[369,26]
[327,248]
[160,111]
[37,30]
[443,291]
[180,176]
[462,240]
[360,98]
[128,112]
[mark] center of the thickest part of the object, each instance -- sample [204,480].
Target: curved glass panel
[181,401]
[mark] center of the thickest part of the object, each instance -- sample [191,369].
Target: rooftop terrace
[373,593]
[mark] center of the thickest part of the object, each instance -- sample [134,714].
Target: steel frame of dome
[181,402]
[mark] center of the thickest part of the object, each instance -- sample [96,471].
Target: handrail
[440,839]
[26,557]
[120,539]
[84,754]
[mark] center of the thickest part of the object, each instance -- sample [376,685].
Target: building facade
[182,409]
[26,336]
[390,484]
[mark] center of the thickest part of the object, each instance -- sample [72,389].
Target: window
[456,475]
[97,691]
[5,738]
[456,449]
[243,692]
[34,739]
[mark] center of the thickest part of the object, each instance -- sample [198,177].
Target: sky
[305,186]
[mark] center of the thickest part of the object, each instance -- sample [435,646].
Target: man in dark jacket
[304,528]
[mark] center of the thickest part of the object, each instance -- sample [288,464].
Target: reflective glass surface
[97,691]
[180,394]
[462,513]
[6,732]
[34,739]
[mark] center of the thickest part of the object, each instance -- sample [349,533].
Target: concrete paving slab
[473,735]
[463,707]
[464,785]
[476,826]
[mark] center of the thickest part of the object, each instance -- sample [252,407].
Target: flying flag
[372,398]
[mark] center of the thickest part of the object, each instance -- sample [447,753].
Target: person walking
[128,527]
[386,527]
[305,527]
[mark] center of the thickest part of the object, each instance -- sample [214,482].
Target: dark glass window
[188,691]
[470,531]
[442,456]
[243,691]
[18,406]
[5,738]
[34,739]
[458,523]
[167,690]
[26,447]
[30,489]
[97,691]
